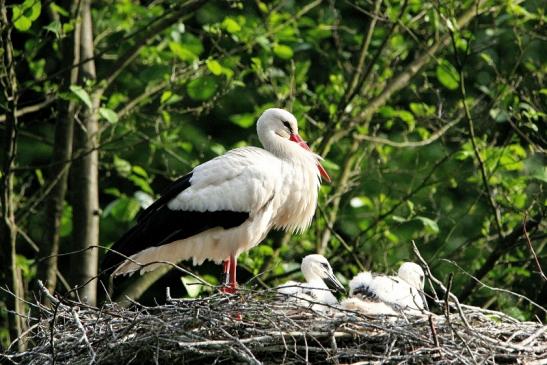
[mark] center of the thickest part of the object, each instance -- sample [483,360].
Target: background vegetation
[430,115]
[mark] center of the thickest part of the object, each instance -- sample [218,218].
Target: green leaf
[144,199]
[408,118]
[39,177]
[81,94]
[56,8]
[361,201]
[123,209]
[23,15]
[165,96]
[113,191]
[218,148]
[54,27]
[123,167]
[139,171]
[141,183]
[422,109]
[540,173]
[181,52]
[243,120]
[430,225]
[192,285]
[282,51]
[499,115]
[22,23]
[66,221]
[202,88]
[188,48]
[109,114]
[391,237]
[447,75]
[263,7]
[214,66]
[231,25]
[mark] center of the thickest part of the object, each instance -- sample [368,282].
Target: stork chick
[316,291]
[377,294]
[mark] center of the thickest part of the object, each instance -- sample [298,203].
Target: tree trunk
[85,176]
[8,227]
[62,154]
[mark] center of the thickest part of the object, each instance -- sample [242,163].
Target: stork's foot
[228,289]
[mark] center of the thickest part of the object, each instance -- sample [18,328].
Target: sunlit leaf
[361,201]
[430,225]
[58,9]
[144,199]
[66,221]
[243,120]
[214,66]
[123,209]
[24,14]
[54,27]
[192,285]
[231,25]
[122,166]
[81,94]
[165,96]
[110,115]
[282,51]
[447,75]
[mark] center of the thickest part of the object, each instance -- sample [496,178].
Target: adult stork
[388,295]
[316,291]
[227,205]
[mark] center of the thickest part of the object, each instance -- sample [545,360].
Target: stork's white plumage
[316,290]
[229,204]
[380,294]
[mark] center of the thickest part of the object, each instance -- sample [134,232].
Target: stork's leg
[226,272]
[229,280]
[233,267]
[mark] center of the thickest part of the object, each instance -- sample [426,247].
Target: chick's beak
[333,283]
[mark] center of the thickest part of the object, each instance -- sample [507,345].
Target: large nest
[257,327]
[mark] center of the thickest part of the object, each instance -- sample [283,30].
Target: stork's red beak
[296,138]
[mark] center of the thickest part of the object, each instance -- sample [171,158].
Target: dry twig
[257,327]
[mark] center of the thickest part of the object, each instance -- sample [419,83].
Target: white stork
[227,205]
[320,280]
[388,295]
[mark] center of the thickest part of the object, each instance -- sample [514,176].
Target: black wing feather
[178,186]
[365,292]
[158,225]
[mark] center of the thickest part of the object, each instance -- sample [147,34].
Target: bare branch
[31,108]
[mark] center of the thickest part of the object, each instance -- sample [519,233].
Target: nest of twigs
[257,327]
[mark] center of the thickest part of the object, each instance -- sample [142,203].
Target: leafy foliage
[403,162]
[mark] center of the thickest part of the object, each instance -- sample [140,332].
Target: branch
[30,109]
[482,167]
[342,186]
[126,109]
[353,86]
[531,247]
[403,199]
[402,79]
[410,144]
[361,75]
[503,246]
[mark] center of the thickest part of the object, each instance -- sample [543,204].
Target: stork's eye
[288,126]
[421,278]
[324,266]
